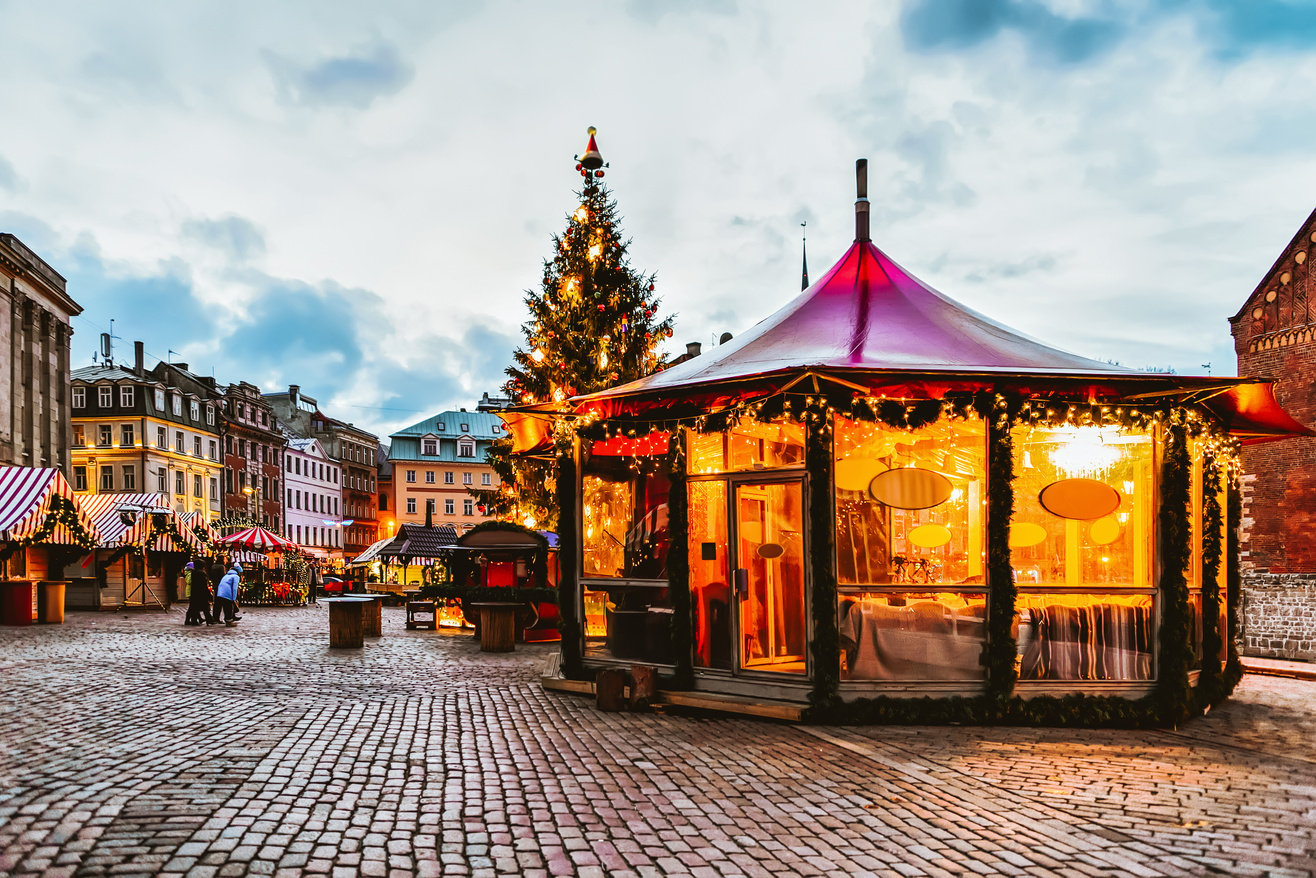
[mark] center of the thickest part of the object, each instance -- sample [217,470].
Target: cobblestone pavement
[130,744]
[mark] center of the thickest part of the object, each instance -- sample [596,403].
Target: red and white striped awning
[257,539]
[196,521]
[26,498]
[125,520]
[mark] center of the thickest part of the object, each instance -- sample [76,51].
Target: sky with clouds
[353,197]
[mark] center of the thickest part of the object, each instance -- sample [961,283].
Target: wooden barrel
[345,624]
[497,626]
[372,617]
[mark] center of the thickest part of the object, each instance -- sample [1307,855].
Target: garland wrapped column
[678,563]
[1234,578]
[1209,681]
[567,542]
[1171,694]
[826,644]
[1001,590]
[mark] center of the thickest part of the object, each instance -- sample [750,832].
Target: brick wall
[1278,616]
[1275,337]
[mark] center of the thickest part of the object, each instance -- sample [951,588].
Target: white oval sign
[1081,499]
[910,488]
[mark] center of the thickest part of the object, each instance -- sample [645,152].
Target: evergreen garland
[1175,531]
[568,559]
[678,563]
[1002,594]
[1209,681]
[60,511]
[826,640]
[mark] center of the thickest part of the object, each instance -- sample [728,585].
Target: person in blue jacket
[226,595]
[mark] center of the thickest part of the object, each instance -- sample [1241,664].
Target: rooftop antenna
[169,355]
[804,249]
[1207,367]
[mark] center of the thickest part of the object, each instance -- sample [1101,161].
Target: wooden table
[497,625]
[372,619]
[345,618]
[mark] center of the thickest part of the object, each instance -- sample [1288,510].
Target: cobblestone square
[133,745]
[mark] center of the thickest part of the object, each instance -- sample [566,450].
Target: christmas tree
[593,324]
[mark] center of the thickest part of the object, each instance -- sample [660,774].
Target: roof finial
[861,204]
[804,249]
[592,160]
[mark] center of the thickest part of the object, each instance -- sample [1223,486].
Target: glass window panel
[912,636]
[1195,626]
[625,531]
[877,543]
[1084,637]
[710,578]
[1111,547]
[631,622]
[750,445]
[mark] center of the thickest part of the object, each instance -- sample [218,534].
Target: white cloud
[1121,207]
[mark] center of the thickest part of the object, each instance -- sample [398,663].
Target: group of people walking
[199,578]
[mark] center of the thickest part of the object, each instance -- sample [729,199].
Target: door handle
[740,576]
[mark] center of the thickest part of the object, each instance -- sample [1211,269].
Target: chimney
[294,390]
[724,338]
[861,204]
[692,349]
[139,358]
[429,515]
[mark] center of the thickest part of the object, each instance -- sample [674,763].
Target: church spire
[804,249]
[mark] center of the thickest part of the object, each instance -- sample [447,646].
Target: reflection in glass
[1084,637]
[912,636]
[624,515]
[632,622]
[710,581]
[943,464]
[771,552]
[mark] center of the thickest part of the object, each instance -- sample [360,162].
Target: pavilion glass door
[769,591]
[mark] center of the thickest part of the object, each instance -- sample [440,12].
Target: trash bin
[50,603]
[16,602]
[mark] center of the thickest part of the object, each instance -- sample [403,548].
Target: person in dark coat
[198,605]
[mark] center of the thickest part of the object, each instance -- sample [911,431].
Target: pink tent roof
[870,325]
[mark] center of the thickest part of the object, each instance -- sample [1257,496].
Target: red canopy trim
[1251,414]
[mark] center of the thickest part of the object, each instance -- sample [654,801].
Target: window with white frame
[196,486]
[466,448]
[194,410]
[176,406]
[411,475]
[196,446]
[429,447]
[441,427]
[411,505]
[214,489]
[126,397]
[449,507]
[467,478]
[127,437]
[105,397]
[79,436]
[162,480]
[161,439]
[179,444]
[79,478]
[468,507]
[79,397]
[485,479]
[466,428]
[159,399]
[107,478]
[130,478]
[214,450]
[447,478]
[180,486]
[210,415]
[429,477]
[105,436]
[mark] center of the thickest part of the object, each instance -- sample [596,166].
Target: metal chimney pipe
[861,204]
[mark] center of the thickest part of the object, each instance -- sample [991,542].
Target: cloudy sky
[353,197]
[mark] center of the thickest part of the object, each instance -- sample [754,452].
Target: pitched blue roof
[483,427]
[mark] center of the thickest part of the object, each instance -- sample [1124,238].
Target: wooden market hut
[42,529]
[499,560]
[144,544]
[877,505]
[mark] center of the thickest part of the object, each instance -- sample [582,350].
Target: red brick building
[1275,337]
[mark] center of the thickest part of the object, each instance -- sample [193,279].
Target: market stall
[889,508]
[502,562]
[143,547]
[274,570]
[42,529]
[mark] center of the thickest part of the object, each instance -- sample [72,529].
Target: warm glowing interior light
[1087,452]
[537,356]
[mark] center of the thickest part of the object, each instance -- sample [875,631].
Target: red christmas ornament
[651,288]
[552,334]
[601,306]
[598,173]
[579,167]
